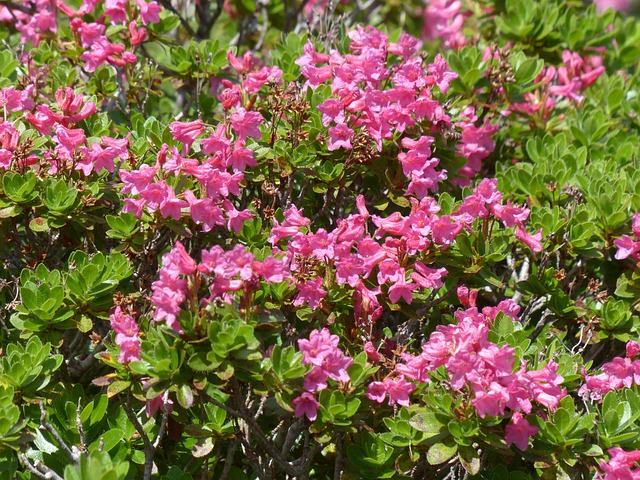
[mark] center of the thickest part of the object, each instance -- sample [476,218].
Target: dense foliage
[280,239]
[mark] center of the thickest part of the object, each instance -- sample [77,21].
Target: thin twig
[38,469]
[228,461]
[44,425]
[149,450]
[262,440]
[165,416]
[83,443]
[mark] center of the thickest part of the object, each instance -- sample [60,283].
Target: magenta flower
[127,339]
[371,352]
[310,293]
[149,12]
[316,379]
[307,405]
[531,241]
[318,346]
[376,392]
[178,262]
[157,403]
[245,124]
[619,5]
[635,224]
[340,137]
[519,431]
[186,132]
[398,390]
[626,247]
[401,289]
[620,465]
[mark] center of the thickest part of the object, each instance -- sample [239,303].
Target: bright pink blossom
[306,404]
[340,137]
[519,431]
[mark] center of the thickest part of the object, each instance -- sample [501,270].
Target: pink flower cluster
[627,247]
[91,35]
[228,272]
[620,465]
[619,5]
[17,100]
[370,94]
[9,138]
[475,145]
[35,26]
[328,361]
[71,150]
[477,365]
[397,388]
[152,190]
[219,175]
[251,77]
[616,374]
[444,19]
[127,337]
[357,82]
[568,81]
[99,50]
[356,255]
[73,109]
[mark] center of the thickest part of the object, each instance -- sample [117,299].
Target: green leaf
[185,396]
[426,422]
[39,224]
[108,440]
[441,452]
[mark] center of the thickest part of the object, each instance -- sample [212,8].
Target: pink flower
[186,132]
[245,124]
[444,231]
[255,80]
[149,12]
[620,463]
[127,339]
[399,390]
[241,65]
[371,352]
[491,403]
[635,224]
[129,350]
[443,19]
[376,392]
[401,289]
[336,364]
[626,247]
[531,241]
[241,158]
[306,404]
[366,308]
[316,379]
[157,403]
[311,56]
[428,277]
[519,431]
[318,346]
[340,137]
[316,75]
[619,5]
[632,349]
[310,293]
[443,76]
[137,36]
